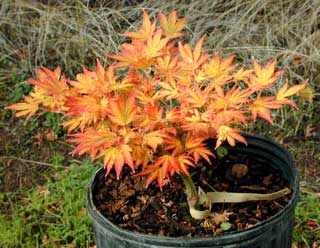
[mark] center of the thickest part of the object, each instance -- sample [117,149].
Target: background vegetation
[42,188]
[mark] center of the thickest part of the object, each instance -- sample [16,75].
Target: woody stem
[190,190]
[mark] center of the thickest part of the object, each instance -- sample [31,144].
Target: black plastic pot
[276,232]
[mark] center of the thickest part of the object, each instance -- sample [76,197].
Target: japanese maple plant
[154,107]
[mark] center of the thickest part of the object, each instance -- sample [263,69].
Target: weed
[52,215]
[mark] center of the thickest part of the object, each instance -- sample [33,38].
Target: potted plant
[159,116]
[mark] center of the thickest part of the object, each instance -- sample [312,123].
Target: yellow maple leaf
[122,110]
[229,134]
[284,92]
[191,60]
[171,25]
[154,45]
[264,76]
[116,157]
[147,29]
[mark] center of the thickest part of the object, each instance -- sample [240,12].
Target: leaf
[229,134]
[242,75]
[27,108]
[220,218]
[218,67]
[191,60]
[196,148]
[147,29]
[154,45]
[264,76]
[132,55]
[153,139]
[92,141]
[116,157]
[122,110]
[262,105]
[284,92]
[222,151]
[195,96]
[168,90]
[52,81]
[164,167]
[172,26]
[225,226]
[307,94]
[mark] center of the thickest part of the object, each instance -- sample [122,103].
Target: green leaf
[225,226]
[222,151]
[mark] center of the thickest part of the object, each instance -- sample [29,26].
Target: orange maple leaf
[92,141]
[242,75]
[153,139]
[154,45]
[195,146]
[261,107]
[166,67]
[27,108]
[165,166]
[132,55]
[52,81]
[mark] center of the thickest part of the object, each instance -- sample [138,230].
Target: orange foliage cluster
[156,116]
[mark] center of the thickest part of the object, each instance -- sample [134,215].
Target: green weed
[307,220]
[52,215]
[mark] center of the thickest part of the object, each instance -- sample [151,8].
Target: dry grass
[71,33]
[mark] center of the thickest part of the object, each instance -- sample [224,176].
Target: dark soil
[129,205]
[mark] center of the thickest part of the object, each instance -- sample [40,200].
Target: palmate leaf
[52,81]
[50,92]
[219,67]
[262,106]
[171,25]
[147,29]
[122,110]
[196,148]
[154,45]
[230,134]
[191,60]
[194,96]
[196,122]
[153,139]
[27,108]
[165,166]
[168,90]
[264,76]
[227,116]
[132,55]
[166,66]
[92,141]
[284,92]
[116,157]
